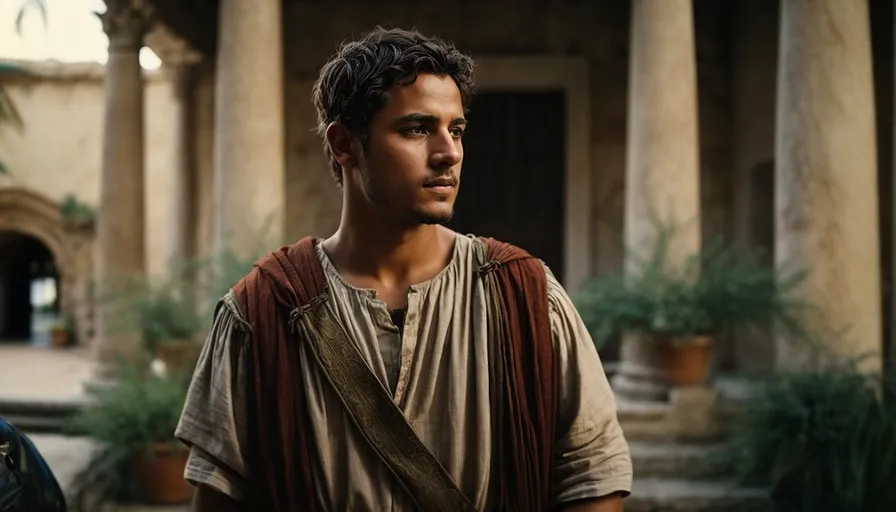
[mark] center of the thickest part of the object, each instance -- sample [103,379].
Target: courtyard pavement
[39,373]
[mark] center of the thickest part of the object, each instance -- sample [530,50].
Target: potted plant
[61,331]
[136,415]
[166,317]
[76,214]
[683,306]
[170,326]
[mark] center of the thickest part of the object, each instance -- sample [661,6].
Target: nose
[446,150]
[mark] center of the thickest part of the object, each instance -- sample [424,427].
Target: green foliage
[65,323]
[711,291]
[220,272]
[160,309]
[77,212]
[27,5]
[823,440]
[177,306]
[9,113]
[135,411]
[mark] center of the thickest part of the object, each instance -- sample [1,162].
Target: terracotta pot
[160,475]
[686,360]
[59,338]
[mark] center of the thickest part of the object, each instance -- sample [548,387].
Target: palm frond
[27,5]
[9,113]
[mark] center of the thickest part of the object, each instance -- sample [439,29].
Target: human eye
[457,132]
[417,129]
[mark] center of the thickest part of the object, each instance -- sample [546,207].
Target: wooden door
[513,178]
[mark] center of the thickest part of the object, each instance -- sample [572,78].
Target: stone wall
[596,30]
[59,150]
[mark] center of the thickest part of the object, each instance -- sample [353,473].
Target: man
[398,365]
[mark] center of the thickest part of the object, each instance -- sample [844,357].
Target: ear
[340,139]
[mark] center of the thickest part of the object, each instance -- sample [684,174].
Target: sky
[73,33]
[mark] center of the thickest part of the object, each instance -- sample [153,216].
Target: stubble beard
[375,195]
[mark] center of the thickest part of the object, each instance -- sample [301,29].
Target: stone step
[36,424]
[41,416]
[675,495]
[66,456]
[641,411]
[691,415]
[673,460]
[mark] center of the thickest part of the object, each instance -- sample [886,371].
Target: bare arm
[206,499]
[611,503]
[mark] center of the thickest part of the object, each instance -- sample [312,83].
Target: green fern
[712,291]
[823,440]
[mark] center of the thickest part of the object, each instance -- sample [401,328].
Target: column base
[640,376]
[640,383]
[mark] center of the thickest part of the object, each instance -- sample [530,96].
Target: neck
[368,246]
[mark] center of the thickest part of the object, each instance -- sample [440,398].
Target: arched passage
[29,289]
[33,235]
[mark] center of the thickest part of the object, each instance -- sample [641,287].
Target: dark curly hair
[354,84]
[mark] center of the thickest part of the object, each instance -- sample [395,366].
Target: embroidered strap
[376,415]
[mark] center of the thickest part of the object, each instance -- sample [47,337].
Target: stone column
[662,168]
[180,216]
[249,166]
[826,180]
[120,221]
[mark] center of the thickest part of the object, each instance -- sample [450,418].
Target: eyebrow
[429,118]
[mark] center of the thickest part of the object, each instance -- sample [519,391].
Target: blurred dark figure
[26,482]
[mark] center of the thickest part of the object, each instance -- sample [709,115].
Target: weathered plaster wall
[59,150]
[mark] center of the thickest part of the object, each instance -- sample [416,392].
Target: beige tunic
[438,372]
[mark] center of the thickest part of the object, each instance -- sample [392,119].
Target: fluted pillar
[826,177]
[120,222]
[662,168]
[180,64]
[249,156]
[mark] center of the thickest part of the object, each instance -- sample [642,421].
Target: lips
[442,182]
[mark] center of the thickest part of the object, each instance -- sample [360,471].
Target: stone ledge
[56,70]
[672,495]
[691,461]
[690,415]
[40,415]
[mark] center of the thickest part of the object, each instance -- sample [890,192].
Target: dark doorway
[762,209]
[754,350]
[513,181]
[29,287]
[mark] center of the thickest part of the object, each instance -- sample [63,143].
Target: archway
[32,226]
[29,289]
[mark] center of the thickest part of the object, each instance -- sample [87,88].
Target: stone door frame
[572,76]
[29,213]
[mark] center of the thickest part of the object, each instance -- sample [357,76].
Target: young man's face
[411,165]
